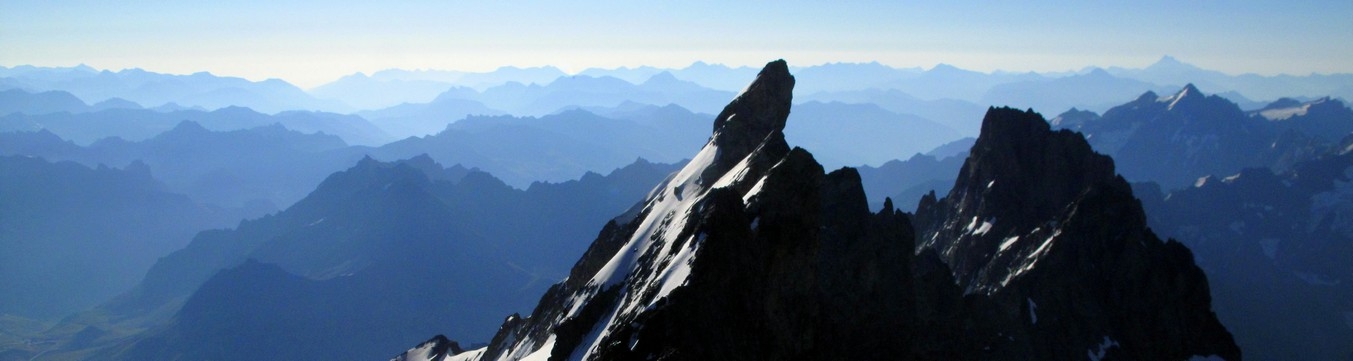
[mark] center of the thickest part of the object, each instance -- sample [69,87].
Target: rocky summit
[753,252]
[1055,256]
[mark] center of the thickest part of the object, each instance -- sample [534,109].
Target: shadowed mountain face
[377,257]
[752,252]
[1042,227]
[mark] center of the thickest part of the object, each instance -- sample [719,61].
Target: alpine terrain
[753,252]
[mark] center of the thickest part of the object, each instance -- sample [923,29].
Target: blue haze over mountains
[299,198]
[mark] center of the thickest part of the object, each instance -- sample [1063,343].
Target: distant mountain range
[1176,139]
[155,89]
[61,113]
[392,87]
[72,236]
[556,147]
[1169,71]
[263,169]
[1090,88]
[380,246]
[582,90]
[844,134]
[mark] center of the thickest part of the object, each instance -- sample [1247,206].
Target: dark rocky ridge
[786,262]
[756,118]
[1041,228]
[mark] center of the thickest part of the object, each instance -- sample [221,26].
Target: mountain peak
[944,67]
[1188,89]
[1170,63]
[367,162]
[437,348]
[188,127]
[763,106]
[755,119]
[1188,94]
[1022,136]
[1282,103]
[664,77]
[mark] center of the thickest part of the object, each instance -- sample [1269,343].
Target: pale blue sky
[312,42]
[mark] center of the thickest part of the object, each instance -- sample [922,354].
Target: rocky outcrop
[1055,249]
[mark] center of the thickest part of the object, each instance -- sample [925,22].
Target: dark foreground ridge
[751,252]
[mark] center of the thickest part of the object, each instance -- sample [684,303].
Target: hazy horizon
[309,44]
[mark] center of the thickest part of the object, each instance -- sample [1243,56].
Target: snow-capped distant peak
[1188,91]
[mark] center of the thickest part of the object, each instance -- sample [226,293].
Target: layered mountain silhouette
[154,89]
[366,92]
[581,90]
[1171,71]
[904,182]
[561,145]
[522,150]
[19,101]
[853,134]
[407,247]
[1096,90]
[264,168]
[960,115]
[139,124]
[751,252]
[74,236]
[393,87]
[422,119]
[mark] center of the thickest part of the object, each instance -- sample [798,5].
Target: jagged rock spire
[755,118]
[763,106]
